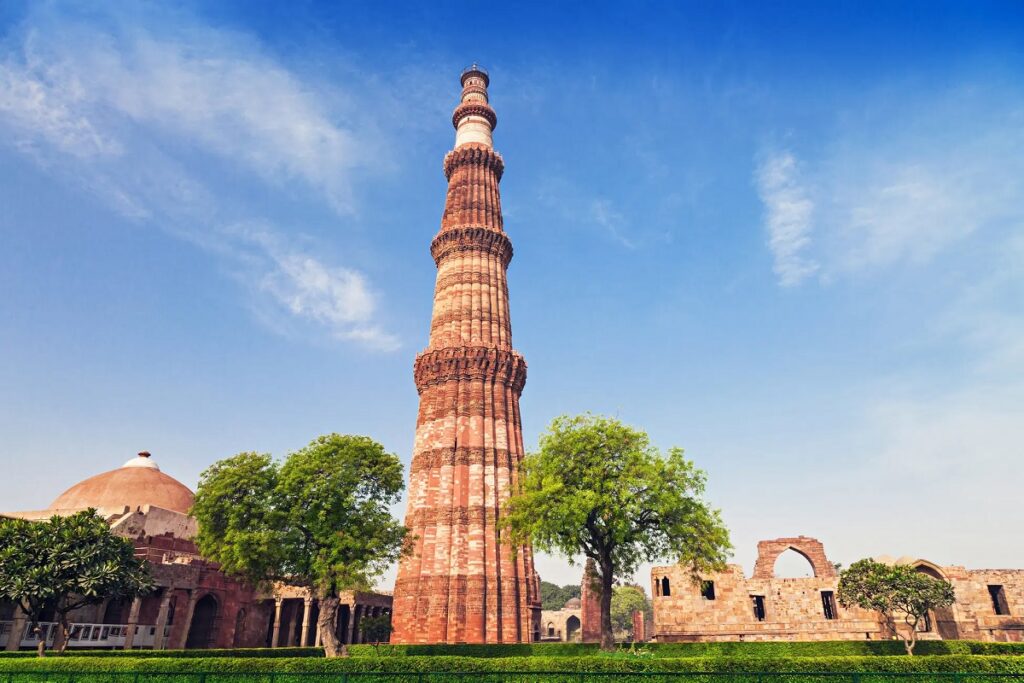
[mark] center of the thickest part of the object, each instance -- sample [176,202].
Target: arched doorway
[572,628]
[201,630]
[942,620]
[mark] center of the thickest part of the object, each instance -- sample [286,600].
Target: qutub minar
[463,583]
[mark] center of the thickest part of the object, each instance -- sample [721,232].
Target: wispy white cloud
[613,222]
[576,206]
[134,117]
[787,215]
[338,298]
[902,186]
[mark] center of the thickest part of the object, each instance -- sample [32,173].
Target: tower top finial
[474,120]
[475,69]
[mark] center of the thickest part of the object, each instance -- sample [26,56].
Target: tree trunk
[327,621]
[60,639]
[910,641]
[607,635]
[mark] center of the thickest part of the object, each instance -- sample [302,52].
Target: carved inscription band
[439,457]
[471,239]
[470,363]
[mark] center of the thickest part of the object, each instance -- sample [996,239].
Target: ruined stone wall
[974,613]
[794,610]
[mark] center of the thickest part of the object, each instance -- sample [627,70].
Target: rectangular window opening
[828,604]
[707,590]
[758,601]
[999,604]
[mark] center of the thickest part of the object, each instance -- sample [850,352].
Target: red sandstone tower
[463,583]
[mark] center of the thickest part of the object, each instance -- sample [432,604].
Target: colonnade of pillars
[298,631]
[160,642]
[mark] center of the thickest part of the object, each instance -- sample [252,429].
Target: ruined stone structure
[195,604]
[590,598]
[639,627]
[727,606]
[561,624]
[464,583]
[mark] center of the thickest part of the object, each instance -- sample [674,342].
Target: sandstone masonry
[728,606]
[464,583]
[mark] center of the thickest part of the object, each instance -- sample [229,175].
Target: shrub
[521,669]
[252,653]
[837,648]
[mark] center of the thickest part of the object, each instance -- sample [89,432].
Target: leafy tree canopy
[597,487]
[625,601]
[320,519]
[65,563]
[894,591]
[554,597]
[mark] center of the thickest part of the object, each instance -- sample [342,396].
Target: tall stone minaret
[463,583]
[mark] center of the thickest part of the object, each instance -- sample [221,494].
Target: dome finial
[144,454]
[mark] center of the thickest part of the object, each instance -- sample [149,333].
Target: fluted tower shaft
[464,582]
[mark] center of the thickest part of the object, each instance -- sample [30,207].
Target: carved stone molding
[474,109]
[468,364]
[471,238]
[480,155]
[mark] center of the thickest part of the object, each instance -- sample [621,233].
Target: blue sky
[788,237]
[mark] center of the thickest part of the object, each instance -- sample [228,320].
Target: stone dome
[572,603]
[137,483]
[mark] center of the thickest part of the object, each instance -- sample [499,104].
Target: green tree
[554,597]
[894,591]
[65,563]
[599,488]
[320,519]
[376,630]
[625,601]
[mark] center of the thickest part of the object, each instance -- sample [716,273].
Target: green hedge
[518,669]
[257,653]
[832,648]
[836,648]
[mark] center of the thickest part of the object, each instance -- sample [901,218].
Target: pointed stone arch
[203,629]
[572,628]
[930,568]
[811,548]
[943,621]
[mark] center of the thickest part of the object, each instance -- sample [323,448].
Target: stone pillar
[294,626]
[353,623]
[304,637]
[318,641]
[186,623]
[639,627]
[133,623]
[161,618]
[277,622]
[17,630]
[590,605]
